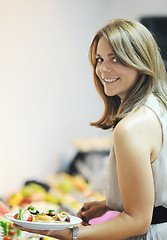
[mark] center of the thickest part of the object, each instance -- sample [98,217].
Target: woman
[130,76]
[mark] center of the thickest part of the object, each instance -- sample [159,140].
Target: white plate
[44,226]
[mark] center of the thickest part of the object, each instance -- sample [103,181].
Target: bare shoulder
[142,120]
[142,127]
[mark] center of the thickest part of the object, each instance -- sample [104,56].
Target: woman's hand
[92,210]
[65,234]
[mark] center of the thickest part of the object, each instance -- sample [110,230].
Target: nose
[106,67]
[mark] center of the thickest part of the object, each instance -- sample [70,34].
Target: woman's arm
[133,144]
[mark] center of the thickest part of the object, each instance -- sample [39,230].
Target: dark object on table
[44,185]
[87,158]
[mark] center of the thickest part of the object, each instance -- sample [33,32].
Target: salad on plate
[50,219]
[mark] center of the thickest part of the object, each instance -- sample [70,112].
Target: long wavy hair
[135,47]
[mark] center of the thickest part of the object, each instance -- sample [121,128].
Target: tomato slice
[11,225]
[7,238]
[30,218]
[12,232]
[16,215]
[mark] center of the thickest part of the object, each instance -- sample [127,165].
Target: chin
[109,94]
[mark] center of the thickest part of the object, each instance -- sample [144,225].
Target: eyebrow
[110,54]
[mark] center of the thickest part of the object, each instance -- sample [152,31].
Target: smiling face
[116,78]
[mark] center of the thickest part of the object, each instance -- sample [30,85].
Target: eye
[99,60]
[114,60]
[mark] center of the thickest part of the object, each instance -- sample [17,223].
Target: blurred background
[47,96]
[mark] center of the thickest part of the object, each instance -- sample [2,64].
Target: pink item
[107,216]
[3,209]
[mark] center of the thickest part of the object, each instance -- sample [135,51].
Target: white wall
[133,9]
[47,97]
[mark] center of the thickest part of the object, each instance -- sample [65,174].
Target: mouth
[107,80]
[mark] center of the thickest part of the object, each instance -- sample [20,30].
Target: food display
[64,191]
[9,232]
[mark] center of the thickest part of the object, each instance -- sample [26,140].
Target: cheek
[97,72]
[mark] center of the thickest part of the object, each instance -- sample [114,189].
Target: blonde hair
[133,46]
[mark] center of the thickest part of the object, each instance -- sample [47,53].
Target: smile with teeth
[110,80]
